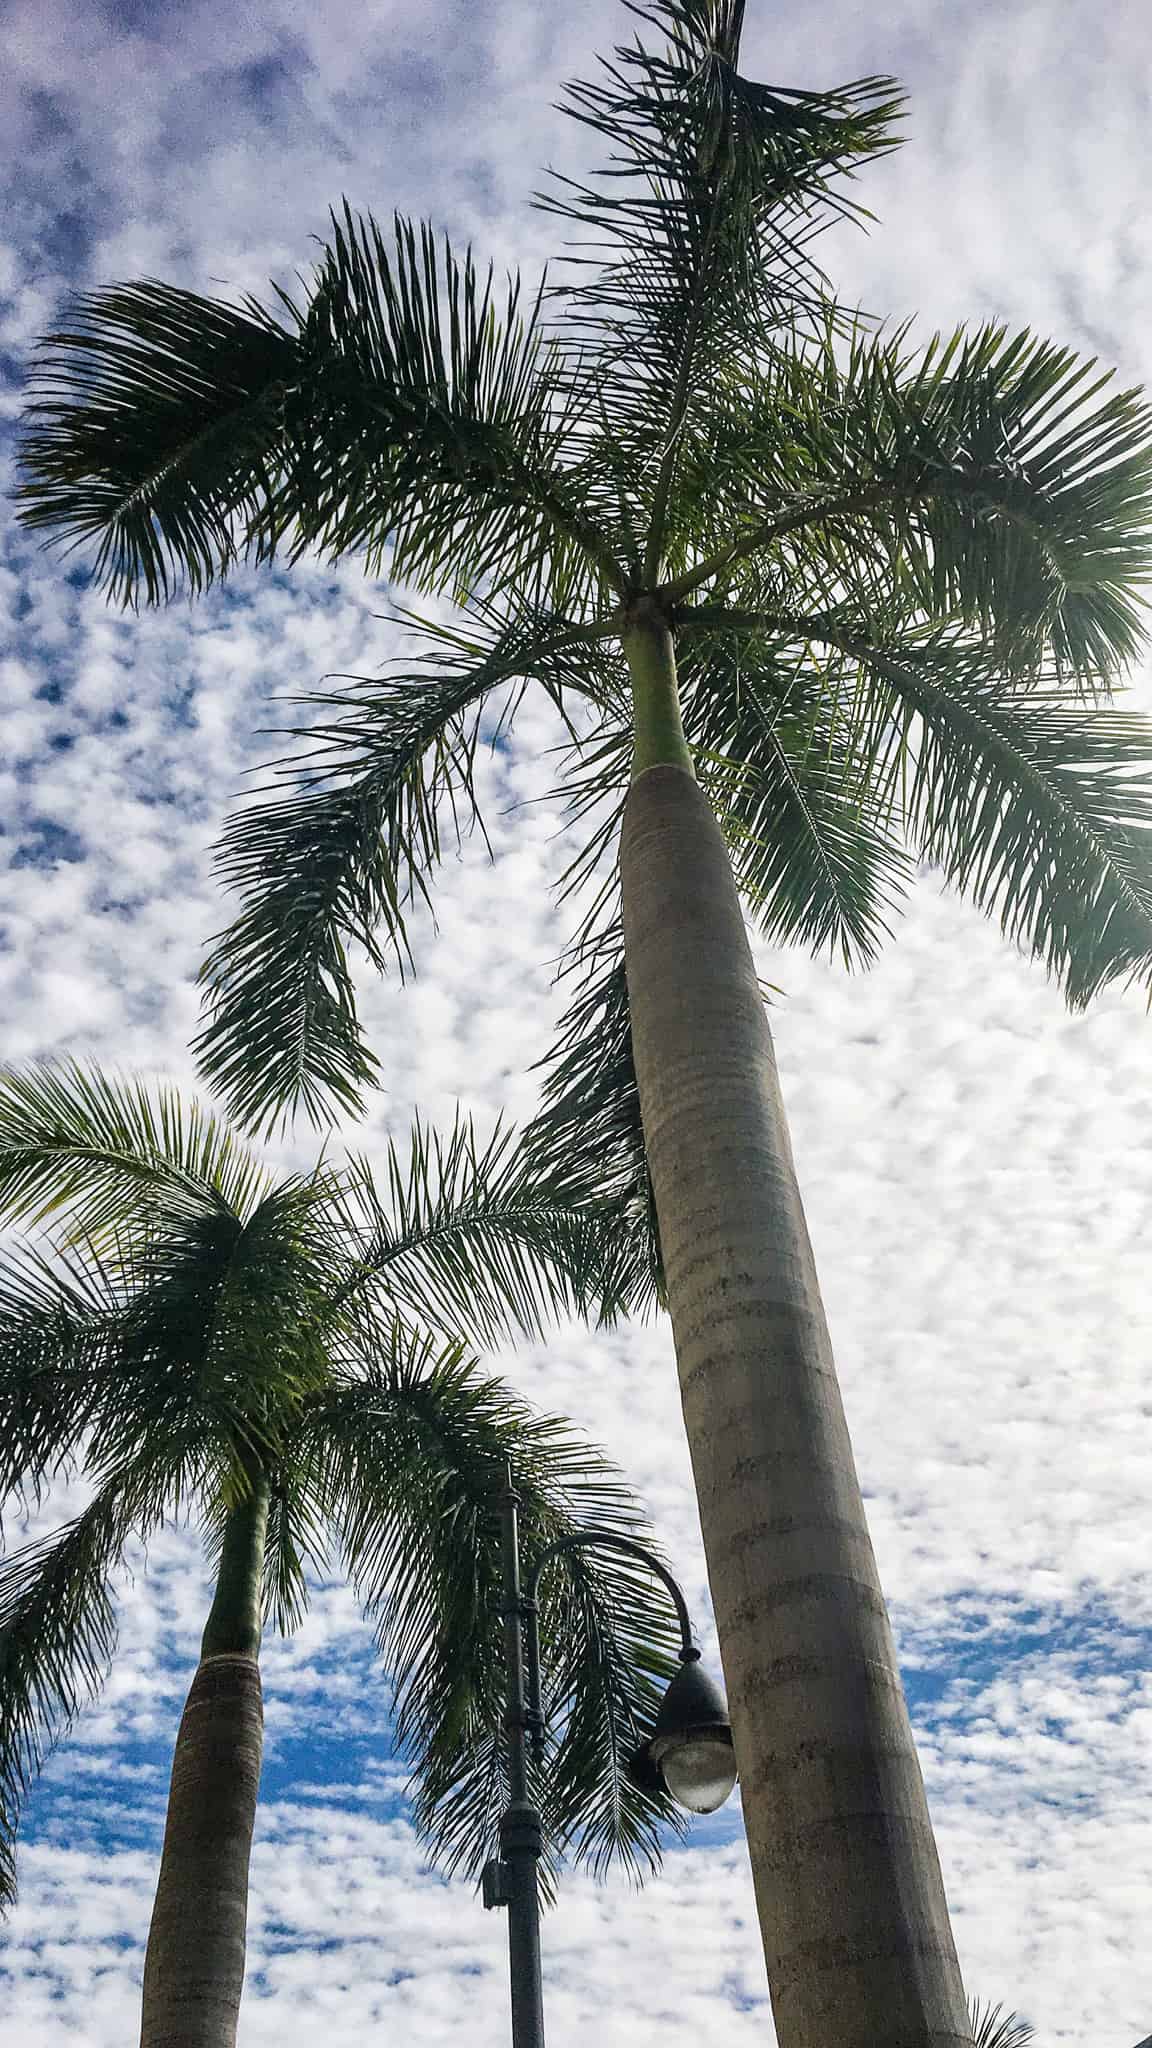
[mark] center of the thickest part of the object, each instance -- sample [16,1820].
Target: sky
[975,1162]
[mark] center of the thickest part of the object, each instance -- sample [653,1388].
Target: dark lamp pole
[688,1754]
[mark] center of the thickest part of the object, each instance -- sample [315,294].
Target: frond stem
[576,529]
[871,496]
[679,409]
[776,529]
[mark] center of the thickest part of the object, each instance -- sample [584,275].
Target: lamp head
[689,1752]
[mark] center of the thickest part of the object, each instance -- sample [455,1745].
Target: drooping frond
[464,1235]
[415,1456]
[90,1147]
[342,858]
[333,864]
[1036,807]
[58,1329]
[589,1123]
[58,1633]
[606,1646]
[811,824]
[155,432]
[297,1543]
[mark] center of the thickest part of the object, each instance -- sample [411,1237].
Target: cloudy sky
[976,1163]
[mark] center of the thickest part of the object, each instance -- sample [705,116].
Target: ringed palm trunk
[194,1966]
[848,1885]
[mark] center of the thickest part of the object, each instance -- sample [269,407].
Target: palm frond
[90,1147]
[431,423]
[58,1326]
[342,859]
[465,1235]
[201,1330]
[155,432]
[297,1544]
[991,479]
[992,2027]
[589,1124]
[416,1454]
[811,825]
[223,1327]
[58,1634]
[1035,807]
[715,186]
[398,411]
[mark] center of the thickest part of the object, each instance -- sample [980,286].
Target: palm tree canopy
[176,1315]
[903,579]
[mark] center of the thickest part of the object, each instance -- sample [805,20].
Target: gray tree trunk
[194,1967]
[848,1884]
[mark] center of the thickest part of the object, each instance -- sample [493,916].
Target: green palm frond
[223,1323]
[416,1454]
[193,1327]
[87,1147]
[991,478]
[462,1234]
[1036,808]
[58,1329]
[341,860]
[605,1668]
[58,1633]
[155,432]
[430,422]
[297,1545]
[589,1124]
[811,825]
[703,216]
[398,410]
[992,2027]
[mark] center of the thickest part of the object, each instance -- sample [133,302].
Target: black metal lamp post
[688,1754]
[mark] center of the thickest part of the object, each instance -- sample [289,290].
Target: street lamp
[688,1753]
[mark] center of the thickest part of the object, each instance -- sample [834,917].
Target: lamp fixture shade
[689,1752]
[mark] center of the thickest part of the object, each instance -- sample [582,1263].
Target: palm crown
[181,1318]
[901,581]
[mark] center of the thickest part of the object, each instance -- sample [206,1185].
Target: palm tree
[196,1339]
[811,600]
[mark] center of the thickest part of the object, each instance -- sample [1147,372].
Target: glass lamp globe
[698,1769]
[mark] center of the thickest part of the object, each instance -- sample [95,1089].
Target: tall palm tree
[812,600]
[197,1340]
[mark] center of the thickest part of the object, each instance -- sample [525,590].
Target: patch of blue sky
[44,841]
[986,1640]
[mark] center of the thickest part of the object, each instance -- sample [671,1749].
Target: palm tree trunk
[848,1884]
[194,1966]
